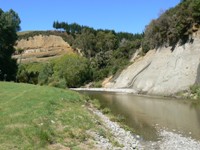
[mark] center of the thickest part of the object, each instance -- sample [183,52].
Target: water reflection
[143,113]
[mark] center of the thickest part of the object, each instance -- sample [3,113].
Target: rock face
[40,48]
[163,71]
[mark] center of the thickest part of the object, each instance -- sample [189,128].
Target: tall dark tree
[9,25]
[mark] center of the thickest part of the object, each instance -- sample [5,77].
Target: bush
[45,74]
[195,90]
[28,73]
[97,84]
[106,110]
[60,83]
[68,71]
[73,68]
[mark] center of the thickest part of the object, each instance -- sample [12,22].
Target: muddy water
[146,115]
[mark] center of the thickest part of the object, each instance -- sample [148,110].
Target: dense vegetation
[194,92]
[103,53]
[68,71]
[9,25]
[173,26]
[39,117]
[102,47]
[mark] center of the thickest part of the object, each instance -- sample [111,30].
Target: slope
[36,46]
[35,117]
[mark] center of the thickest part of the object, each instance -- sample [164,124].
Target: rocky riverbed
[174,141]
[125,139]
[168,139]
[128,141]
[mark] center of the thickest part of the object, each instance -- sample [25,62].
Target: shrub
[195,90]
[72,68]
[106,110]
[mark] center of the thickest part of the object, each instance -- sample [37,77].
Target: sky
[119,15]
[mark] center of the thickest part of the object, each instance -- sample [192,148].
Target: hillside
[40,117]
[40,47]
[98,53]
[163,72]
[175,25]
[167,51]
[35,117]
[172,59]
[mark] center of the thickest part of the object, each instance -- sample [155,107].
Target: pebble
[123,137]
[171,141]
[168,141]
[52,121]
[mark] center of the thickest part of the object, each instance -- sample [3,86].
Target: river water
[146,115]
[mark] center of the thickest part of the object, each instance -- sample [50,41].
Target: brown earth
[41,48]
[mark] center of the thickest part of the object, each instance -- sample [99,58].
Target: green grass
[36,117]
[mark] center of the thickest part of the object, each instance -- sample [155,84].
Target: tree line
[107,50]
[173,26]
[104,52]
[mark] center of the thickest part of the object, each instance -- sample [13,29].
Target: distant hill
[37,46]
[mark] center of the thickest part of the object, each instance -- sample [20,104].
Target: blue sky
[120,15]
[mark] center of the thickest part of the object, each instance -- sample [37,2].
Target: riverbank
[168,139]
[42,117]
[125,139]
[174,141]
[189,94]
[123,91]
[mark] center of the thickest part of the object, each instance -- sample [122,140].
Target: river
[146,115]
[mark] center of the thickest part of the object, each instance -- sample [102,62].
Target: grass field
[39,117]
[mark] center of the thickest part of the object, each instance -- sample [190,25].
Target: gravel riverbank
[128,141]
[167,140]
[174,141]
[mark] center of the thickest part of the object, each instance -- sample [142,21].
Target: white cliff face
[163,71]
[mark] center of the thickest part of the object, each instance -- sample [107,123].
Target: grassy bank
[39,117]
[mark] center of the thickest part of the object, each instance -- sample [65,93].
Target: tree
[195,9]
[86,41]
[9,25]
[45,74]
[73,69]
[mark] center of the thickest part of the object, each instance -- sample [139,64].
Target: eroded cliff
[41,48]
[163,71]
